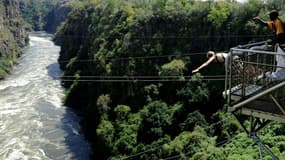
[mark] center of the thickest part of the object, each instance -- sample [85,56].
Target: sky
[237,0]
[241,0]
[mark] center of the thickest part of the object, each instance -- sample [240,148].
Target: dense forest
[127,66]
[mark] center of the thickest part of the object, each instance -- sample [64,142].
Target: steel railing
[252,69]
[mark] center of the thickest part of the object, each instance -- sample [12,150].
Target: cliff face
[57,15]
[13,34]
[44,15]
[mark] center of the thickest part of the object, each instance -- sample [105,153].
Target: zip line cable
[157,147]
[138,57]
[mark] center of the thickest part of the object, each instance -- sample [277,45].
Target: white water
[34,125]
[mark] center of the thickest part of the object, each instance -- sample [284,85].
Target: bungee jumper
[213,57]
[219,57]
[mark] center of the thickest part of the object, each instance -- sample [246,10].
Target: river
[34,124]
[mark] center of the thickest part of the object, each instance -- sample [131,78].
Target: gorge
[119,74]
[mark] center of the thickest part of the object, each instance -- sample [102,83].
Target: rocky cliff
[13,34]
[57,15]
[45,15]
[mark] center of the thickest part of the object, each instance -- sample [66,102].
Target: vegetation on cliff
[35,11]
[13,35]
[127,67]
[45,15]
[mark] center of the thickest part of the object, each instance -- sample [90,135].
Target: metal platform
[248,92]
[262,109]
[265,106]
[239,92]
[254,87]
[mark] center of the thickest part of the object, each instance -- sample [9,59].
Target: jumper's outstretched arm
[210,60]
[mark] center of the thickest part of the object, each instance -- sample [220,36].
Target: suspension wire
[157,147]
[169,36]
[148,57]
[177,156]
[138,57]
[140,76]
[222,142]
[185,154]
[146,151]
[225,142]
[98,78]
[136,80]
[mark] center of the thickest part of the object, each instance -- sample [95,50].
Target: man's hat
[273,13]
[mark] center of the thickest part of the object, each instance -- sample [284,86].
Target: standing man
[276,25]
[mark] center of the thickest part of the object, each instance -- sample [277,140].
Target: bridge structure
[255,87]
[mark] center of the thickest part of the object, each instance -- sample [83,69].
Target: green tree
[188,144]
[102,104]
[219,13]
[156,117]
[195,90]
[105,133]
